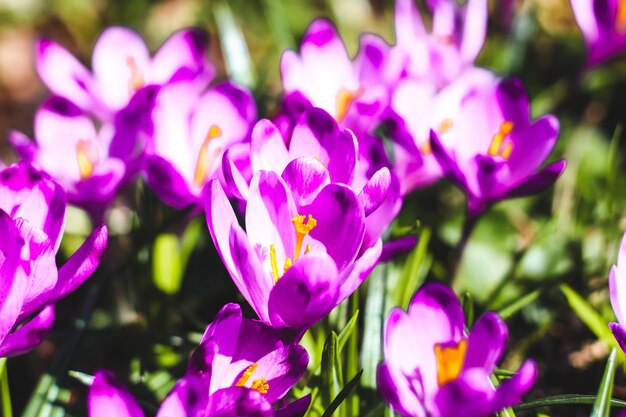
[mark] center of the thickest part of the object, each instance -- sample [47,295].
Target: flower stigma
[136,80]
[259,385]
[206,158]
[498,145]
[449,361]
[343,102]
[87,157]
[302,229]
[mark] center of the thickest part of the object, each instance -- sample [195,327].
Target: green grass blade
[565,399]
[602,405]
[587,314]
[343,394]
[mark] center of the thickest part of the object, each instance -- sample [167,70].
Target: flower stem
[468,227]
[5,394]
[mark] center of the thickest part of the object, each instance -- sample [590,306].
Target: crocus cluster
[241,368]
[32,219]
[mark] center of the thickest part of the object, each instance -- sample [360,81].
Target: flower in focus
[617,279]
[457,36]
[433,367]
[603,24]
[32,218]
[490,146]
[122,66]
[240,368]
[191,133]
[295,262]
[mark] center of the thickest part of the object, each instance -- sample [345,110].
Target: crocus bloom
[617,288]
[603,24]
[457,36]
[32,218]
[434,368]
[90,164]
[492,149]
[293,265]
[241,368]
[191,133]
[122,66]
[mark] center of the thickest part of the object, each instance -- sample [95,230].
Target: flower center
[259,385]
[87,158]
[206,158]
[498,146]
[136,80]
[449,361]
[343,102]
[302,229]
[620,18]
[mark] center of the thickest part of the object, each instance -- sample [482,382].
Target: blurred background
[522,250]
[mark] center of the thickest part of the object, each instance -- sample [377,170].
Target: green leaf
[329,364]
[5,394]
[587,314]
[347,331]
[602,406]
[565,399]
[467,301]
[516,306]
[167,263]
[343,394]
[415,270]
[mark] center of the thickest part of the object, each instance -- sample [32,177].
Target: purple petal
[236,184]
[63,74]
[474,29]
[375,190]
[619,332]
[187,399]
[513,101]
[340,223]
[396,391]
[538,182]
[391,250]
[29,335]
[298,408]
[486,343]
[446,161]
[512,390]
[13,284]
[305,293]
[240,402]
[282,368]
[167,182]
[355,274]
[471,392]
[268,150]
[107,397]
[437,304]
[306,177]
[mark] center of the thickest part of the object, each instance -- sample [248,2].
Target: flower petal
[375,190]
[187,399]
[306,177]
[29,335]
[268,150]
[240,402]
[108,397]
[486,342]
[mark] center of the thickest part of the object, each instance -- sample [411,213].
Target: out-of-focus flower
[617,289]
[90,164]
[293,265]
[433,367]
[492,149]
[122,66]
[603,24]
[240,368]
[32,218]
[457,36]
[191,133]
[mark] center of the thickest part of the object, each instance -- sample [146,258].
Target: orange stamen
[450,361]
[302,229]
[206,159]
[87,158]
[498,145]
[136,77]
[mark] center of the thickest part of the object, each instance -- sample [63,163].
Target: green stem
[352,363]
[5,394]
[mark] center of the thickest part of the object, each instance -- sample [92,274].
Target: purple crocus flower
[240,368]
[293,265]
[191,133]
[603,24]
[492,149]
[434,368]
[91,164]
[457,36]
[32,218]
[122,66]
[617,279]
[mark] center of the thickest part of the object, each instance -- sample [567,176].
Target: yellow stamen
[206,159]
[343,102]
[288,264]
[620,18]
[425,148]
[260,385]
[274,263]
[302,229]
[136,77]
[444,126]
[246,375]
[496,147]
[449,361]
[307,249]
[86,159]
